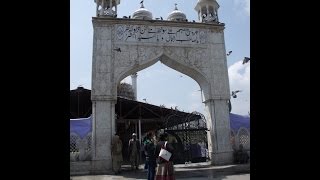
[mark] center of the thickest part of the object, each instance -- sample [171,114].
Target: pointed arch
[171,63]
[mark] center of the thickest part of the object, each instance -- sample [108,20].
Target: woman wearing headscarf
[165,170]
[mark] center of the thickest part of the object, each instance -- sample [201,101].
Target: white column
[218,124]
[217,15]
[103,120]
[97,8]
[134,85]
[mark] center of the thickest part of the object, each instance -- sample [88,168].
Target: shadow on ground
[194,171]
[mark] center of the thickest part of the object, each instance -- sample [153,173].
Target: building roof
[80,103]
[127,109]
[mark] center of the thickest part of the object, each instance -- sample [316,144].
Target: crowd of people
[158,166]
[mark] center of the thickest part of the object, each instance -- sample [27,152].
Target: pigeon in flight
[234,93]
[229,53]
[245,60]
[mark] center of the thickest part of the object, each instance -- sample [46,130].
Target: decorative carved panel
[160,34]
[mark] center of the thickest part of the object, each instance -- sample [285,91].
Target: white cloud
[127,80]
[243,5]
[239,78]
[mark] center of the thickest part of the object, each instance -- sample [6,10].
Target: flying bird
[245,60]
[161,18]
[229,53]
[234,93]
[118,49]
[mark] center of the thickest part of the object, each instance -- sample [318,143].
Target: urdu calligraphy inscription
[155,34]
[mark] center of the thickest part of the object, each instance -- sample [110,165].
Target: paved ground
[192,171]
[109,177]
[231,177]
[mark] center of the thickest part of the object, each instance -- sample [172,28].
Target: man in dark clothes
[149,147]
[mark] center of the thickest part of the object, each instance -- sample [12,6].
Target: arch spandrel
[195,50]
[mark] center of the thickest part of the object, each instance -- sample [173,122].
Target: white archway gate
[122,47]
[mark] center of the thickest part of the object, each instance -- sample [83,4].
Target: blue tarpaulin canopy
[81,126]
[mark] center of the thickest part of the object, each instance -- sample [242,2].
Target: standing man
[150,147]
[134,151]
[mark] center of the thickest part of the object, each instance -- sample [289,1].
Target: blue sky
[159,84]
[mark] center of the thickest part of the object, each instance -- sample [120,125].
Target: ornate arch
[185,62]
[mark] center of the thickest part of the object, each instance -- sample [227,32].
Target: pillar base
[97,167]
[222,158]
[101,166]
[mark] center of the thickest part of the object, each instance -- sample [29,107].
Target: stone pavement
[228,177]
[188,172]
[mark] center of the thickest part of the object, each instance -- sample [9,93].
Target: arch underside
[190,61]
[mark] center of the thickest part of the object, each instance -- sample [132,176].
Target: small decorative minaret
[176,15]
[105,8]
[142,13]
[134,84]
[207,11]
